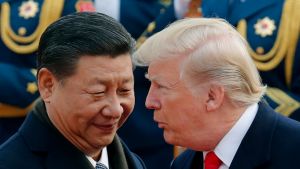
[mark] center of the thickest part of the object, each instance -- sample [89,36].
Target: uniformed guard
[272,30]
[21,24]
[140,132]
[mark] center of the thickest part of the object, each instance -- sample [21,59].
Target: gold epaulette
[144,36]
[51,11]
[286,104]
[285,44]
[8,111]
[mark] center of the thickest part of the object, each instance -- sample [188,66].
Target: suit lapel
[197,162]
[255,149]
[116,155]
[53,150]
[66,156]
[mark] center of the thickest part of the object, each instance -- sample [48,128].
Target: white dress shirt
[228,146]
[103,158]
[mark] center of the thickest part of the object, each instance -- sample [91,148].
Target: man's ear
[46,82]
[215,97]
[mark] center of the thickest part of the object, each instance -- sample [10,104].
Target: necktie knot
[100,166]
[212,161]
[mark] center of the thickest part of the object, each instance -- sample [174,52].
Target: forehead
[166,68]
[104,67]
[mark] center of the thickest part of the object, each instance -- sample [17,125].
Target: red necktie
[212,161]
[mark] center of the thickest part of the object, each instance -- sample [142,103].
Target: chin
[169,139]
[104,141]
[108,139]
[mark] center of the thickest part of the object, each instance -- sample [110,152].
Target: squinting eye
[124,91]
[160,86]
[97,94]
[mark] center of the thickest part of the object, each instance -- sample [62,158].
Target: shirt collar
[228,146]
[103,158]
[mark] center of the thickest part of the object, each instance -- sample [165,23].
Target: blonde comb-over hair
[212,49]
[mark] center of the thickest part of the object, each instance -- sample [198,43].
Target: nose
[113,108]
[152,101]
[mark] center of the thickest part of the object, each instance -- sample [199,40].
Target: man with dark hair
[85,80]
[146,140]
[22,23]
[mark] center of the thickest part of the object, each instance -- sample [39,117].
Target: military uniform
[272,30]
[140,132]
[22,22]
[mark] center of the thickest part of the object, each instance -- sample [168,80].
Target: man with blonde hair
[206,94]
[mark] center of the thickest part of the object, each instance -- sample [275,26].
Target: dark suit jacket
[39,145]
[272,142]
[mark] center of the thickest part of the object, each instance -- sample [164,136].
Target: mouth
[106,128]
[161,125]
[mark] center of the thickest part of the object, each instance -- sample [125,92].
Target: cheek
[128,106]
[193,112]
[184,110]
[129,103]
[123,118]
[69,102]
[170,101]
[81,118]
[85,113]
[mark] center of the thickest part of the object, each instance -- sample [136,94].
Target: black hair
[79,34]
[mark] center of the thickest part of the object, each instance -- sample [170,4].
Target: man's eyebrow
[152,78]
[96,81]
[107,80]
[158,80]
[127,80]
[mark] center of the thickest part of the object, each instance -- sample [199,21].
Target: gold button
[33,71]
[22,31]
[151,26]
[32,87]
[260,50]
[166,2]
